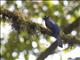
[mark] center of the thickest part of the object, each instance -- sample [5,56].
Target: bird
[55,30]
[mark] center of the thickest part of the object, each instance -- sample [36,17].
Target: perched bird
[51,25]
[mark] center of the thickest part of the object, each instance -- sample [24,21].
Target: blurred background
[21,39]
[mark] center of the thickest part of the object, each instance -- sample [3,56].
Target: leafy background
[25,20]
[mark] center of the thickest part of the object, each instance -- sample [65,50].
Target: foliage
[25,32]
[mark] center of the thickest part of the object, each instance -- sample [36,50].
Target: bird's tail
[59,42]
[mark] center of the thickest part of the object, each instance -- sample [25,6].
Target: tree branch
[69,27]
[48,51]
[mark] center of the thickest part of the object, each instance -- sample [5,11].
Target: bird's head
[45,17]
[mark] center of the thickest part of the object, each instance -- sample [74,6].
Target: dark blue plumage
[50,24]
